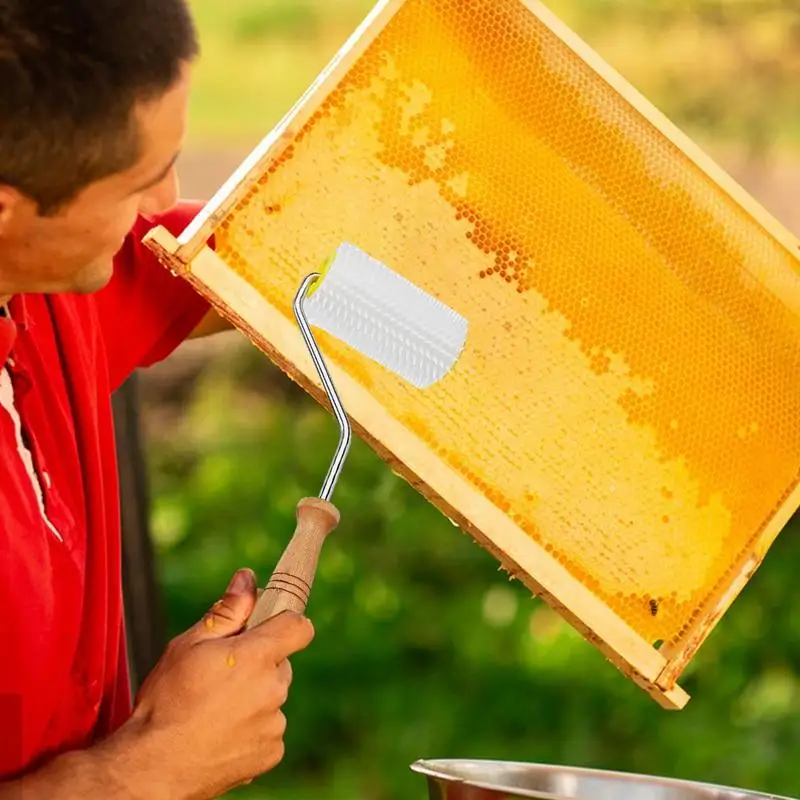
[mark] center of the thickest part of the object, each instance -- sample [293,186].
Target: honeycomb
[629,390]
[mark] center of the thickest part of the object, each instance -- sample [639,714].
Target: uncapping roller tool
[387,318]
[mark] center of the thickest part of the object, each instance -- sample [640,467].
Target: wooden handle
[290,585]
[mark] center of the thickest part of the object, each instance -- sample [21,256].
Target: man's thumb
[230,613]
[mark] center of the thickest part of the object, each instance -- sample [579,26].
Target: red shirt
[63,665]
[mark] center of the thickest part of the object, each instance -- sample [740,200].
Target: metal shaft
[345,432]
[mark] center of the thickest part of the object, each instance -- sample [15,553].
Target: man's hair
[71,74]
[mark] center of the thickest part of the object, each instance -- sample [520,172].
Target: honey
[629,394]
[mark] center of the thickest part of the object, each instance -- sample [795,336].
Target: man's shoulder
[145,311]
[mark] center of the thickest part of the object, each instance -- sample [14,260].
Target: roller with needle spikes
[388,319]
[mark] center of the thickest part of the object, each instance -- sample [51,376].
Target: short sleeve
[145,312]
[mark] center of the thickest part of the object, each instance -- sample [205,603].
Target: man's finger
[279,637]
[285,672]
[230,613]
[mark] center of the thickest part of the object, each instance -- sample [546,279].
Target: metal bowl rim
[428,768]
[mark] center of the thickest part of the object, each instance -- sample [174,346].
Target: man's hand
[210,712]
[207,719]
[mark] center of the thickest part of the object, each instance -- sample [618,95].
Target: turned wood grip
[290,585]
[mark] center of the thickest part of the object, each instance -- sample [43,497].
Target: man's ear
[11,206]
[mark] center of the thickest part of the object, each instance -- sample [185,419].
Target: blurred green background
[423,648]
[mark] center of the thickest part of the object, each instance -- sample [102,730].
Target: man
[93,98]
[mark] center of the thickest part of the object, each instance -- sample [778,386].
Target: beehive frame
[227,280]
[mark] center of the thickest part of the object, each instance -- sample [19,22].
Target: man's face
[73,250]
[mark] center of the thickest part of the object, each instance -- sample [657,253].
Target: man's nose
[162,197]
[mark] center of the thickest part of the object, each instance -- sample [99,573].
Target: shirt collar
[14,317]
[18,308]
[8,333]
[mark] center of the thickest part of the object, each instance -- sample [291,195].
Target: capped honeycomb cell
[628,396]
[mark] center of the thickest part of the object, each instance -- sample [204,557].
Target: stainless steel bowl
[453,779]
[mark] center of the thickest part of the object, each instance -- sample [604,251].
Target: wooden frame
[656,671]
[410,457]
